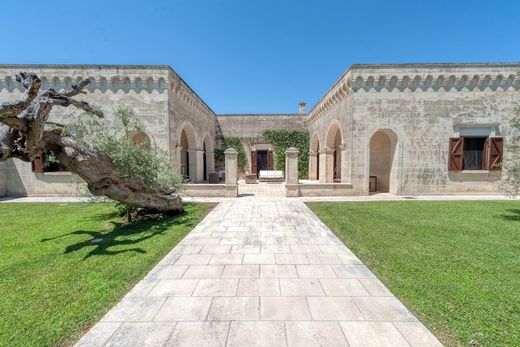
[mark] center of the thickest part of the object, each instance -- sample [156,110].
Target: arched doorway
[187,153]
[314,162]
[383,162]
[334,151]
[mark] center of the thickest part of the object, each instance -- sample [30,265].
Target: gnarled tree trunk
[23,136]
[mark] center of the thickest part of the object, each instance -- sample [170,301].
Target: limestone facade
[386,123]
[395,122]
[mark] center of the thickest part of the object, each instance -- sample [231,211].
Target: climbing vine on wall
[285,138]
[236,143]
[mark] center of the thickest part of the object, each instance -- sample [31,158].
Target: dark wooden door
[269,160]
[262,161]
[253,162]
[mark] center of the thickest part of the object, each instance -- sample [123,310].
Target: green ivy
[285,138]
[236,143]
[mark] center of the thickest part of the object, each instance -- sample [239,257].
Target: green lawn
[54,283]
[455,265]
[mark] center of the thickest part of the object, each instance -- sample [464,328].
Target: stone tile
[352,271]
[348,258]
[315,271]
[324,259]
[142,334]
[383,309]
[301,287]
[343,287]
[134,310]
[189,249]
[259,259]
[225,259]
[275,249]
[168,272]
[256,334]
[234,308]
[241,271]
[141,289]
[291,259]
[216,287]
[333,308]
[207,334]
[183,309]
[173,288]
[98,335]
[204,271]
[216,249]
[245,249]
[284,308]
[258,287]
[417,335]
[372,334]
[193,259]
[319,334]
[375,287]
[169,259]
[305,249]
[278,271]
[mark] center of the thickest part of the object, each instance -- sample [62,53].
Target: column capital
[291,152]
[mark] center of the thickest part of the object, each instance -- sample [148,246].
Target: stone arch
[383,161]
[334,149]
[314,160]
[208,156]
[187,151]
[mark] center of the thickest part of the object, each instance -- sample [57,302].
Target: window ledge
[476,172]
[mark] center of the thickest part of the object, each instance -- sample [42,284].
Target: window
[46,162]
[475,153]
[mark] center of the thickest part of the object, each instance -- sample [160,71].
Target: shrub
[285,138]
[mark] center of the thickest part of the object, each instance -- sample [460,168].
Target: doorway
[261,160]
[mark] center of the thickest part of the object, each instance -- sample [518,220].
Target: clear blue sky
[258,56]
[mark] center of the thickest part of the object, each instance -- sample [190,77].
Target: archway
[188,160]
[334,142]
[314,160]
[383,162]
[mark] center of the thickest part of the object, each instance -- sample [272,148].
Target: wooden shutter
[253,162]
[456,155]
[269,160]
[496,152]
[37,164]
[485,155]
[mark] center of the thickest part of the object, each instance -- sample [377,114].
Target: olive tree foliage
[99,150]
[511,183]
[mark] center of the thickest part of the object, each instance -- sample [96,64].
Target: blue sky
[258,56]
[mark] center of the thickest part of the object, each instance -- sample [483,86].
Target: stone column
[326,165]
[199,154]
[313,164]
[231,168]
[193,164]
[231,171]
[210,162]
[291,165]
[178,160]
[344,164]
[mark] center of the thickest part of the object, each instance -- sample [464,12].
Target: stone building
[403,129]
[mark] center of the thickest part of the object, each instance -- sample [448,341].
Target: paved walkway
[259,272]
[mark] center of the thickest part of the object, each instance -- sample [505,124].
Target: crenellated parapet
[103,84]
[415,78]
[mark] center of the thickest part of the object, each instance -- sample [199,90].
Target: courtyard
[266,271]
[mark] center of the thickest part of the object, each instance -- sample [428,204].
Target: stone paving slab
[260,272]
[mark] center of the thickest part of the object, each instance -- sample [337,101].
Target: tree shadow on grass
[513,215]
[123,235]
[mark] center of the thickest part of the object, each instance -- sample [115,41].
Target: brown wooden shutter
[253,162]
[496,152]
[269,160]
[37,164]
[456,155]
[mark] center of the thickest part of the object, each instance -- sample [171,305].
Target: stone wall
[3,179]
[157,94]
[252,125]
[421,106]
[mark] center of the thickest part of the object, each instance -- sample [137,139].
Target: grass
[54,283]
[455,265]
